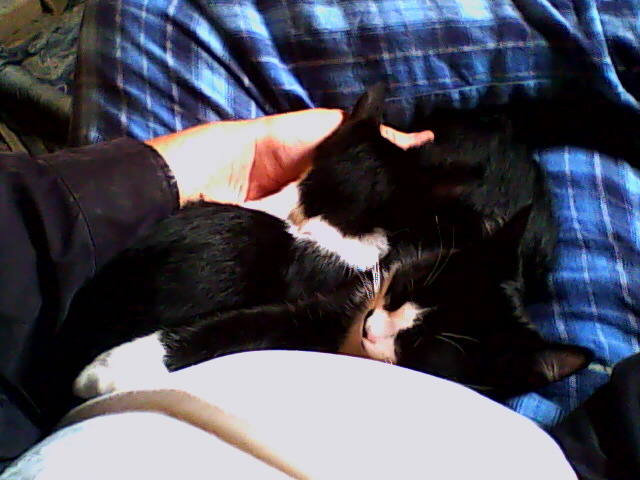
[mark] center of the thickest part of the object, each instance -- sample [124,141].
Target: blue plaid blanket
[148,67]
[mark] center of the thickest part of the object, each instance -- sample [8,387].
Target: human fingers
[285,149]
[406,140]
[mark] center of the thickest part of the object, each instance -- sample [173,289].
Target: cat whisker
[433,270]
[453,238]
[435,267]
[453,243]
[456,335]
[444,264]
[455,344]
[395,232]
[436,271]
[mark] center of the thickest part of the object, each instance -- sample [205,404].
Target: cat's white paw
[134,365]
[95,379]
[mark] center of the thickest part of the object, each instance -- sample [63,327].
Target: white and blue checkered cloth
[148,67]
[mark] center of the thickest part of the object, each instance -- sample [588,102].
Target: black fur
[317,323]
[476,330]
[207,258]
[477,174]
[452,192]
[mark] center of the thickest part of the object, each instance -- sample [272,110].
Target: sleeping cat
[453,191]
[472,327]
[476,174]
[457,314]
[214,262]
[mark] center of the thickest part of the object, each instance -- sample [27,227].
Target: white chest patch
[134,365]
[360,252]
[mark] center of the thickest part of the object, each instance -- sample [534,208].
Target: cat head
[349,183]
[458,314]
[360,181]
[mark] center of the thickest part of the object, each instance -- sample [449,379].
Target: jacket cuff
[121,188]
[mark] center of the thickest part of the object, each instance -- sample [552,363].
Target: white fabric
[344,417]
[330,417]
[136,446]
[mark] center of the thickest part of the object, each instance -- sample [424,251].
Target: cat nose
[369,336]
[377,326]
[372,337]
[379,347]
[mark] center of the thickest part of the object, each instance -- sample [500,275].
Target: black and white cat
[204,273]
[453,191]
[457,314]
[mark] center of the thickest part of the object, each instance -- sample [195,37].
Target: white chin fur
[135,365]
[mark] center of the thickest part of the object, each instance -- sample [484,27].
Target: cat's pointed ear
[370,105]
[510,234]
[556,361]
[500,251]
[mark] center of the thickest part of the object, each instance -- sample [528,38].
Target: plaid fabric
[148,67]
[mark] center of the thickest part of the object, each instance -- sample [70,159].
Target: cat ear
[510,234]
[556,361]
[369,105]
[500,252]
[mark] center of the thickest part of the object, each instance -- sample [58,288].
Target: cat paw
[96,379]
[135,365]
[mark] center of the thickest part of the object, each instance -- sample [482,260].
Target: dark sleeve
[601,438]
[62,216]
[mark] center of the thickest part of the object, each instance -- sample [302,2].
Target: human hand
[238,161]
[234,161]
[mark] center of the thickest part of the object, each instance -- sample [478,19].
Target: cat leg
[135,365]
[317,324]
